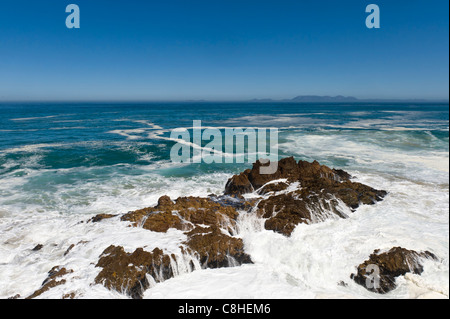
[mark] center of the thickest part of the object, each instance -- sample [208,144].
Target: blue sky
[222,50]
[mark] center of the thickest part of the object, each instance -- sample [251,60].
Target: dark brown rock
[215,249]
[315,171]
[283,213]
[82,242]
[209,223]
[164,203]
[69,249]
[236,202]
[239,184]
[38,247]
[182,214]
[138,216]
[343,175]
[316,200]
[100,217]
[52,281]
[162,222]
[127,272]
[273,188]
[392,264]
[72,295]
[209,243]
[287,168]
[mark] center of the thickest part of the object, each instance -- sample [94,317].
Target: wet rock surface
[127,273]
[183,214]
[208,224]
[317,197]
[215,249]
[38,247]
[54,279]
[298,192]
[389,265]
[100,217]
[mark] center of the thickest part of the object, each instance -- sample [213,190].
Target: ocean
[61,164]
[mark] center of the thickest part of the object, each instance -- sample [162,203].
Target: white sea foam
[367,151]
[309,264]
[32,147]
[35,118]
[55,220]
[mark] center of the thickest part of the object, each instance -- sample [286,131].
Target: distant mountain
[313,99]
[344,99]
[316,98]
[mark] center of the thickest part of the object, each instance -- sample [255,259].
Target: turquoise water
[54,156]
[82,135]
[61,163]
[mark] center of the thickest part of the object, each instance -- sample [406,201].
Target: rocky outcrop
[273,188]
[127,273]
[214,249]
[298,192]
[38,247]
[183,214]
[52,281]
[239,184]
[379,272]
[207,223]
[72,246]
[317,197]
[100,217]
[288,169]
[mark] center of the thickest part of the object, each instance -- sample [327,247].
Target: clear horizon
[255,100]
[223,51]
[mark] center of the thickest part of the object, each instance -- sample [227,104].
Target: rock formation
[52,281]
[208,224]
[389,265]
[128,272]
[317,197]
[297,193]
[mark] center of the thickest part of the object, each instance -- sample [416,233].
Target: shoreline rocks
[297,193]
[378,273]
[215,249]
[100,217]
[208,224]
[51,281]
[317,197]
[127,273]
